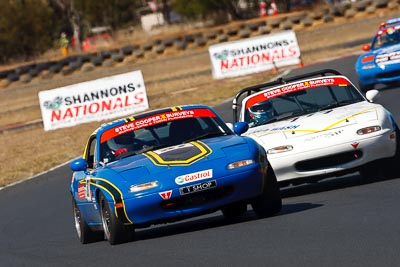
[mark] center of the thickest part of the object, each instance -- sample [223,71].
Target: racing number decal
[184,154]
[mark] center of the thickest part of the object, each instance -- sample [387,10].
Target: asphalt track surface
[342,221]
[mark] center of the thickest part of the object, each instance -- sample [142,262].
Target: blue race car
[166,165]
[381,62]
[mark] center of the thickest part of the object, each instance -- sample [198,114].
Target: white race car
[319,125]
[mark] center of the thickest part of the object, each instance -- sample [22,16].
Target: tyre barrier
[180,44]
[286,25]
[361,5]
[4,74]
[167,42]
[24,69]
[190,38]
[222,38]
[86,57]
[34,72]
[139,53]
[13,76]
[105,54]
[211,35]
[297,18]
[147,46]
[381,3]
[97,60]
[231,31]
[200,41]
[118,57]
[244,33]
[128,49]
[25,78]
[151,49]
[56,68]
[159,49]
[255,26]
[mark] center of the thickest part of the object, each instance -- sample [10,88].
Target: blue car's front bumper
[152,208]
[388,74]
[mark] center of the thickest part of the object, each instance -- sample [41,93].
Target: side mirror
[366,47]
[371,95]
[240,127]
[78,165]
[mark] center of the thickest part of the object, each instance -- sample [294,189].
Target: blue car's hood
[177,160]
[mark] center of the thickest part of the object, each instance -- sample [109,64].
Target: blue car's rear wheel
[270,201]
[114,230]
[85,234]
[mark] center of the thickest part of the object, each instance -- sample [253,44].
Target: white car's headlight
[140,187]
[280,149]
[368,130]
[240,163]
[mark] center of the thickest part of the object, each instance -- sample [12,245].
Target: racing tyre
[372,171]
[85,234]
[386,168]
[114,230]
[270,201]
[234,210]
[391,166]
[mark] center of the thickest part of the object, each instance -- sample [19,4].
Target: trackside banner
[102,99]
[256,54]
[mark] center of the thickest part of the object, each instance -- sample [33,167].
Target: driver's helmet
[121,143]
[261,112]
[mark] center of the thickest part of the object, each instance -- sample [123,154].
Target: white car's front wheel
[385,168]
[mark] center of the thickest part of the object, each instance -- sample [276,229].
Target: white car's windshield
[298,99]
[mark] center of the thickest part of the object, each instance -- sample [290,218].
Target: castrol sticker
[194,177]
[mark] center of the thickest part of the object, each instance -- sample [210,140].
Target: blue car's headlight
[368,66]
[145,186]
[240,163]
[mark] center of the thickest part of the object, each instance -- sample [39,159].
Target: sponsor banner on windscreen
[254,54]
[102,99]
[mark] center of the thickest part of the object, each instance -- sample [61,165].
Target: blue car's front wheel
[270,201]
[85,234]
[114,230]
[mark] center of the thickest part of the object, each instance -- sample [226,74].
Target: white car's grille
[328,161]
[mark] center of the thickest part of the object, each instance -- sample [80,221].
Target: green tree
[24,29]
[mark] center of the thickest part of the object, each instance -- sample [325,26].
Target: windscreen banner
[101,99]
[255,54]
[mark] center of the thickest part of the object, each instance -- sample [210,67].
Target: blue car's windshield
[386,37]
[156,131]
